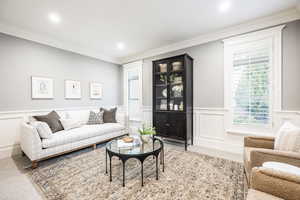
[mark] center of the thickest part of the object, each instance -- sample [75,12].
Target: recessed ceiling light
[54,18]
[224,6]
[120,45]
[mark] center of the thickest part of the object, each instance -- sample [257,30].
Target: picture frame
[42,87]
[72,89]
[96,90]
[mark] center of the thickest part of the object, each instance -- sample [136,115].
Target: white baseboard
[9,151]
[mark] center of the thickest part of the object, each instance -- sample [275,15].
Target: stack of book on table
[127,142]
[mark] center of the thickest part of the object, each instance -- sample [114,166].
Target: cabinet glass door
[176,83]
[161,86]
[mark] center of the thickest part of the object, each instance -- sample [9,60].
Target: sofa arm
[258,157]
[31,143]
[277,183]
[259,142]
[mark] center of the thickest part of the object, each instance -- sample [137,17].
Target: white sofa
[61,142]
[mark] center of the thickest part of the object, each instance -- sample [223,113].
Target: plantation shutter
[251,86]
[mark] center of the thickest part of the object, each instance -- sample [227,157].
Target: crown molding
[50,41]
[250,26]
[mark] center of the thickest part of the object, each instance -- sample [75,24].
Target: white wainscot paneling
[209,131]
[9,135]
[212,129]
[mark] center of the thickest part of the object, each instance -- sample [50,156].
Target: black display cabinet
[173,98]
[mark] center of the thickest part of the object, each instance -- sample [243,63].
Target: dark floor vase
[173,98]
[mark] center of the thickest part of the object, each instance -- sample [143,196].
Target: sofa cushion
[84,132]
[257,195]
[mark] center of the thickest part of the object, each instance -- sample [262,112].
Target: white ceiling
[98,25]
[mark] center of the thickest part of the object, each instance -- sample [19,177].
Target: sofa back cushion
[53,121]
[288,138]
[70,123]
[109,116]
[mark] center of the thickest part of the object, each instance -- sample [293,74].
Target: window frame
[250,40]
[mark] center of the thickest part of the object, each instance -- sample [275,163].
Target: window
[252,77]
[251,86]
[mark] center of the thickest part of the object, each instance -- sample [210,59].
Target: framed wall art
[72,89]
[42,88]
[95,90]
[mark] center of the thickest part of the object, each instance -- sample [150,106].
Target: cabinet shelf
[177,71]
[161,85]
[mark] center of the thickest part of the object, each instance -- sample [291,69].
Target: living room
[150,100]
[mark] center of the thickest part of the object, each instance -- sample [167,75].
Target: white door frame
[134,66]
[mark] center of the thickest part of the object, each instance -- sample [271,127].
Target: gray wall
[291,66]
[20,59]
[209,72]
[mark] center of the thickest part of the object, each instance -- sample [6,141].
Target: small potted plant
[146,133]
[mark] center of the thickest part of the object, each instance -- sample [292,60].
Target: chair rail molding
[211,128]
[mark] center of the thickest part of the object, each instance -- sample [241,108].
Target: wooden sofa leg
[34,164]
[94,146]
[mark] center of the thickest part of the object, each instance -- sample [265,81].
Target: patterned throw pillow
[43,129]
[109,116]
[95,118]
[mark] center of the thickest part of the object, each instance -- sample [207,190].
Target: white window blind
[251,86]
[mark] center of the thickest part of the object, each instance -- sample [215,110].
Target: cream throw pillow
[43,129]
[70,123]
[288,138]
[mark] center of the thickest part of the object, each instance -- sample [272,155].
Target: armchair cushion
[283,167]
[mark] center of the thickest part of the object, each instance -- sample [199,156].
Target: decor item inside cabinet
[173,98]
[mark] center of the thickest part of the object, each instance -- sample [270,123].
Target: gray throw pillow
[109,116]
[52,119]
[95,118]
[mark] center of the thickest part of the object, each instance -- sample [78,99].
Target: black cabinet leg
[185,145]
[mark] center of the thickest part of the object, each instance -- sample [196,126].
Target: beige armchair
[271,184]
[258,150]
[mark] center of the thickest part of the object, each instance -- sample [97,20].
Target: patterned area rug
[188,175]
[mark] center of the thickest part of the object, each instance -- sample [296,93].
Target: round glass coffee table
[140,151]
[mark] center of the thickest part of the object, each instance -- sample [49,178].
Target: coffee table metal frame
[141,157]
